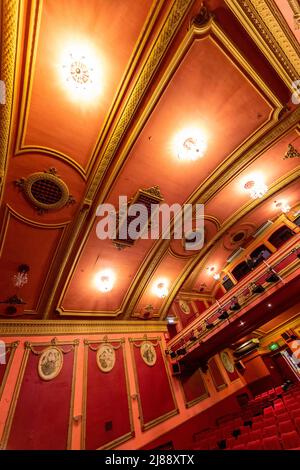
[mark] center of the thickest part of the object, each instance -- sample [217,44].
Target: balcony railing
[272,272]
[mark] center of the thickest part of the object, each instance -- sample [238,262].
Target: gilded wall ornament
[50,363]
[148,353]
[292,152]
[227,362]
[106,357]
[184,307]
[45,191]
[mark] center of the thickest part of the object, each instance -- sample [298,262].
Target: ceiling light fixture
[216,276]
[190,144]
[160,288]
[283,206]
[255,186]
[80,71]
[104,280]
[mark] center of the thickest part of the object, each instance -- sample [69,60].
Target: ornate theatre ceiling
[148,70]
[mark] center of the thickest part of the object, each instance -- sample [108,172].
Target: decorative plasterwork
[168,31]
[292,152]
[9,34]
[65,327]
[267,21]
[45,191]
[295,6]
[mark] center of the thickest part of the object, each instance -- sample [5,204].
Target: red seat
[269,421]
[295,414]
[257,419]
[278,390]
[270,431]
[255,445]
[255,435]
[290,440]
[286,426]
[268,411]
[297,424]
[230,442]
[271,443]
[239,447]
[258,425]
[282,417]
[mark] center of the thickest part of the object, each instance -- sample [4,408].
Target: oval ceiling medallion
[45,191]
[50,363]
[227,362]
[106,357]
[184,306]
[148,353]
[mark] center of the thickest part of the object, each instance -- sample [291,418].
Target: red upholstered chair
[255,435]
[255,445]
[297,424]
[268,411]
[283,417]
[238,422]
[271,443]
[270,431]
[286,426]
[295,414]
[278,390]
[290,440]
[239,447]
[257,419]
[269,421]
[230,442]
[258,425]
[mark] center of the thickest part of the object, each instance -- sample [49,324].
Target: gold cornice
[9,36]
[77,327]
[261,20]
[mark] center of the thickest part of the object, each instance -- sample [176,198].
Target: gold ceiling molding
[167,33]
[283,182]
[72,327]
[176,15]
[295,7]
[9,36]
[274,39]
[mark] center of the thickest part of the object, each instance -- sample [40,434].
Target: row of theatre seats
[277,426]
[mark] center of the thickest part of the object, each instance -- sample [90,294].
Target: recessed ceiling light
[190,144]
[242,323]
[254,185]
[104,280]
[269,305]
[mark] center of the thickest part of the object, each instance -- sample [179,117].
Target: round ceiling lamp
[283,206]
[161,288]
[190,144]
[104,280]
[255,186]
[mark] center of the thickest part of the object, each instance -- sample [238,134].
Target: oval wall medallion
[227,362]
[50,363]
[106,357]
[148,353]
[184,307]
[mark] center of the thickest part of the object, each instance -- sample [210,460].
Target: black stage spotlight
[257,288]
[223,314]
[273,277]
[234,305]
[173,354]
